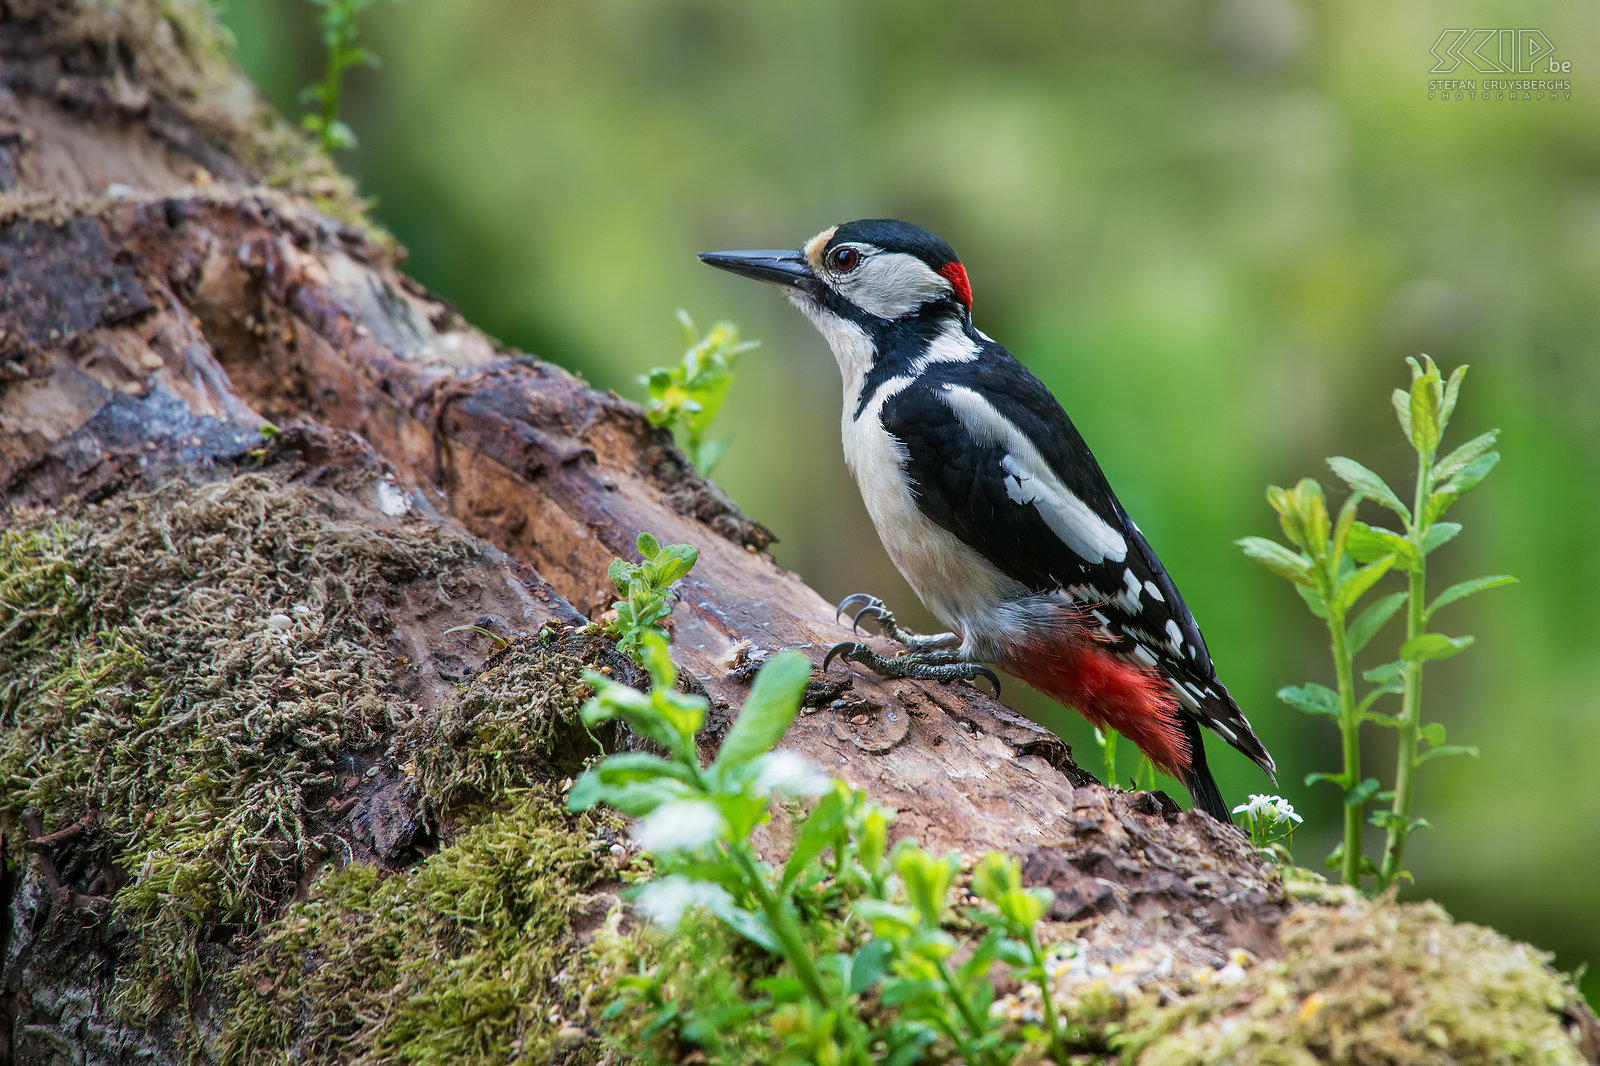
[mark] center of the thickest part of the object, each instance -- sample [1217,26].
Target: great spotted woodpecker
[990,503]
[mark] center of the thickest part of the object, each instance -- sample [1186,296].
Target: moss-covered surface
[186,669]
[478,955]
[515,725]
[189,673]
[1372,983]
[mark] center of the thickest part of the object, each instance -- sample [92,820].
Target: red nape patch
[1078,671]
[956,275]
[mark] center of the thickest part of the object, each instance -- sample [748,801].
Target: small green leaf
[1433,733]
[657,661]
[1359,583]
[773,702]
[927,881]
[1402,409]
[1277,558]
[1425,402]
[1468,477]
[874,840]
[1395,820]
[648,545]
[1358,796]
[1314,601]
[1311,698]
[1333,779]
[1371,620]
[673,563]
[634,798]
[1452,393]
[1433,646]
[1303,514]
[1379,675]
[1462,589]
[816,833]
[1368,484]
[1463,455]
[1442,533]
[1368,544]
[1444,751]
[868,964]
[1344,523]
[751,926]
[1438,504]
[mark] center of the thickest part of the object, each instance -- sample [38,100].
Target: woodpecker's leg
[862,606]
[939,665]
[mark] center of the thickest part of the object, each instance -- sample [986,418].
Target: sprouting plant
[687,397]
[860,929]
[646,590]
[1424,414]
[339,33]
[1270,820]
[1333,565]
[1144,774]
[1106,739]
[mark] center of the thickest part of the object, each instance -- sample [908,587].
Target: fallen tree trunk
[232,431]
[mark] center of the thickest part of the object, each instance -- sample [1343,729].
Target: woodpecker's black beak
[787,268]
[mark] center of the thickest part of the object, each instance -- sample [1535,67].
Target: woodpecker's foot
[860,605]
[919,666]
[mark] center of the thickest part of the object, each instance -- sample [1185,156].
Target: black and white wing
[995,460]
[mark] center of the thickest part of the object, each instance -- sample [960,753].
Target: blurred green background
[1213,228]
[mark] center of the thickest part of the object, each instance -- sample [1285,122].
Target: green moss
[195,662]
[475,956]
[43,603]
[1370,983]
[515,724]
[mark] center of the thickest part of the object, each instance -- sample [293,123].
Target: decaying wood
[159,304]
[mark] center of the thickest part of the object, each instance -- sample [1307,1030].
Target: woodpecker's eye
[844,259]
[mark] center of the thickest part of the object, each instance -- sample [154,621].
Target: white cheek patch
[891,284]
[1032,481]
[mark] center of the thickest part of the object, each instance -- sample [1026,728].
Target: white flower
[1268,809]
[791,774]
[681,825]
[665,901]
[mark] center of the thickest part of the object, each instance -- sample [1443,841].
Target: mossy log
[255,480]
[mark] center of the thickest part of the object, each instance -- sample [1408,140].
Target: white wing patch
[1030,480]
[1174,637]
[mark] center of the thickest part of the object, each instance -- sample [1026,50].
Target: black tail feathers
[1197,778]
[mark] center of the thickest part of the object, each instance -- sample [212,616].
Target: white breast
[953,581]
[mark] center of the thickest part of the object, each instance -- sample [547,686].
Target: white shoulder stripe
[952,345]
[1031,481]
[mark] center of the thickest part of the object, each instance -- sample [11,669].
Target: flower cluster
[1269,819]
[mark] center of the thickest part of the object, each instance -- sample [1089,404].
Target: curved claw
[845,648]
[853,599]
[878,611]
[983,671]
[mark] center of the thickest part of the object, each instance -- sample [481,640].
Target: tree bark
[179,270]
